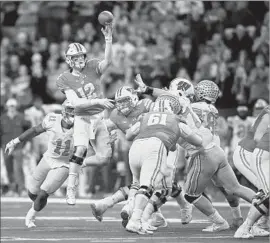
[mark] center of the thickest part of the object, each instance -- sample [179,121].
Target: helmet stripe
[75,44]
[79,45]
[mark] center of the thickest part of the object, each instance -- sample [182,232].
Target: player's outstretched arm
[82,103]
[133,131]
[107,32]
[144,89]
[27,135]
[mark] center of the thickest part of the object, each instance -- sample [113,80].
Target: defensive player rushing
[128,109]
[52,170]
[155,134]
[81,85]
[259,164]
[208,114]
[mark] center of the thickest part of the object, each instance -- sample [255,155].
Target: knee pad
[261,202]
[32,196]
[41,200]
[176,190]
[145,190]
[125,191]
[192,199]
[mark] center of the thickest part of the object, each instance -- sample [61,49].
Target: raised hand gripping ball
[105,17]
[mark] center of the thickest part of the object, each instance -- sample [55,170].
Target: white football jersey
[240,128]
[60,145]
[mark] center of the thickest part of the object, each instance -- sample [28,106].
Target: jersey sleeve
[61,83]
[49,121]
[94,64]
[148,104]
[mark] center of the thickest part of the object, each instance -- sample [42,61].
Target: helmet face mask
[126,100]
[76,56]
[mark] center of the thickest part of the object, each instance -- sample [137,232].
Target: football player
[53,169]
[238,126]
[206,91]
[81,85]
[259,164]
[210,163]
[156,133]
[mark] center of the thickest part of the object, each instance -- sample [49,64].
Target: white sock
[216,218]
[72,179]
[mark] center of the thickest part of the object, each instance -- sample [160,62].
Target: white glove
[11,146]
[142,86]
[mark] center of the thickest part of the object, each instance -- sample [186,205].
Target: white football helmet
[76,55]
[183,87]
[68,112]
[126,99]
[259,106]
[206,90]
[168,103]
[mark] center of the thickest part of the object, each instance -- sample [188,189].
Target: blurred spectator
[12,125]
[124,44]
[20,88]
[258,81]
[13,66]
[5,86]
[23,49]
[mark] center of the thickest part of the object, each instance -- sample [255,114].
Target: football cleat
[30,220]
[158,220]
[127,209]
[257,231]
[243,233]
[71,195]
[137,227]
[186,214]
[217,227]
[98,209]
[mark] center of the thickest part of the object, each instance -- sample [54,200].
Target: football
[105,17]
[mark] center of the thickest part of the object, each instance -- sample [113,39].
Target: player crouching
[155,134]
[53,169]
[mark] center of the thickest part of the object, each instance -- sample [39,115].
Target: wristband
[16,140]
[149,90]
[108,39]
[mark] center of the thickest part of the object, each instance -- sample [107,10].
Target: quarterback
[81,85]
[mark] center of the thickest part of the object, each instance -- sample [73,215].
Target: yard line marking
[118,239]
[105,219]
[88,201]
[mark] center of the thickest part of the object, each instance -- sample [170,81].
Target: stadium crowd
[226,42]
